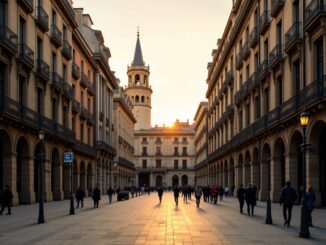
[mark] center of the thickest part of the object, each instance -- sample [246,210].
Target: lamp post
[40,189]
[304,228]
[72,206]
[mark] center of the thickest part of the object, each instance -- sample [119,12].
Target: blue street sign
[68,157]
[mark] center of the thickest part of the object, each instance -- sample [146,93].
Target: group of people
[248,195]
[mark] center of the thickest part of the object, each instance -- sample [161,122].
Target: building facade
[35,95]
[201,145]
[269,67]
[124,122]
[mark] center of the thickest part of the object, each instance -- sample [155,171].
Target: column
[264,180]
[27,187]
[291,169]
[9,174]
[312,171]
[275,179]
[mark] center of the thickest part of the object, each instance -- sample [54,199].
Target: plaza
[143,220]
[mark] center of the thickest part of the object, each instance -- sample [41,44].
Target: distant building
[163,155]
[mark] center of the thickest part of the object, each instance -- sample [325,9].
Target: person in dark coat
[176,192]
[80,196]
[310,200]
[160,192]
[96,196]
[110,192]
[287,199]
[241,196]
[250,199]
[185,193]
[221,192]
[6,200]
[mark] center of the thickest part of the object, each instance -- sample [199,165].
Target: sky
[177,38]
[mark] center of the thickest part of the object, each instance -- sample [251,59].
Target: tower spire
[138,56]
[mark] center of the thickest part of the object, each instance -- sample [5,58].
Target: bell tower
[139,90]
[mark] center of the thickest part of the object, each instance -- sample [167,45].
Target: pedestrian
[287,199]
[160,192]
[132,191]
[250,199]
[110,192]
[80,196]
[214,192]
[310,200]
[176,192]
[254,187]
[198,193]
[226,191]
[221,192]
[96,196]
[6,200]
[241,197]
[189,192]
[185,193]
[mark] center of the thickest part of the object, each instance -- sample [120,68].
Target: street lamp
[40,189]
[304,228]
[72,206]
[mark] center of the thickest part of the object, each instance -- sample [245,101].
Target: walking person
[185,193]
[160,193]
[6,200]
[80,196]
[96,196]
[310,199]
[214,192]
[250,199]
[198,193]
[287,199]
[241,196]
[221,192]
[176,192]
[110,192]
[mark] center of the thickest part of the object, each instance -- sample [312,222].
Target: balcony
[277,6]
[26,56]
[90,118]
[83,112]
[27,5]
[101,116]
[245,51]
[66,50]
[276,56]
[242,92]
[43,70]
[75,72]
[158,154]
[238,61]
[91,89]
[68,91]
[254,37]
[42,19]
[229,78]
[57,82]
[293,38]
[176,154]
[8,40]
[264,22]
[107,122]
[84,81]
[263,70]
[254,81]
[75,106]
[314,14]
[56,36]
[85,148]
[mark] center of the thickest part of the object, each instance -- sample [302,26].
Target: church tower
[139,90]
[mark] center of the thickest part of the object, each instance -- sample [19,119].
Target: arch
[279,164]
[142,99]
[137,99]
[317,166]
[145,79]
[175,180]
[296,159]
[247,165]
[39,157]
[256,169]
[82,176]
[225,173]
[55,171]
[232,174]
[137,79]
[184,180]
[89,176]
[22,169]
[159,180]
[240,169]
[5,151]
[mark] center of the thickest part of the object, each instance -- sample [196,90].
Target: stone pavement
[143,221]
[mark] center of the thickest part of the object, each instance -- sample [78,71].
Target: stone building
[162,155]
[268,68]
[35,95]
[105,83]
[124,122]
[200,142]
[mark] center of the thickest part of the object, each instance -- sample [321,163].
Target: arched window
[137,79]
[145,79]
[137,99]
[143,99]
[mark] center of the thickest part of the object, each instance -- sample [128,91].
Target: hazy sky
[177,38]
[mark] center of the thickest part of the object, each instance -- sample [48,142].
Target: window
[184,164]
[266,101]
[266,49]
[82,98]
[176,140]
[54,109]
[279,33]
[257,107]
[296,77]
[89,104]
[54,17]
[176,164]
[64,73]
[40,101]
[144,151]
[89,136]
[144,163]
[184,151]
[54,62]
[39,47]
[158,151]
[319,61]
[144,139]
[137,79]
[143,99]
[137,99]
[64,32]
[247,114]
[279,90]
[22,91]
[296,12]
[247,72]
[240,120]
[82,133]
[73,122]
[65,116]
[184,139]
[22,31]
[158,163]
[176,151]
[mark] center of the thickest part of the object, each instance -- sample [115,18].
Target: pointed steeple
[138,56]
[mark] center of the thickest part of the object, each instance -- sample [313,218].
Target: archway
[22,171]
[279,165]
[159,180]
[82,181]
[225,173]
[296,163]
[247,171]
[256,169]
[89,176]
[5,152]
[317,160]
[175,180]
[56,174]
[184,180]
[39,155]
[240,170]
[232,175]
[265,172]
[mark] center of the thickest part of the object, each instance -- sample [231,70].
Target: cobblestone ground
[143,221]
